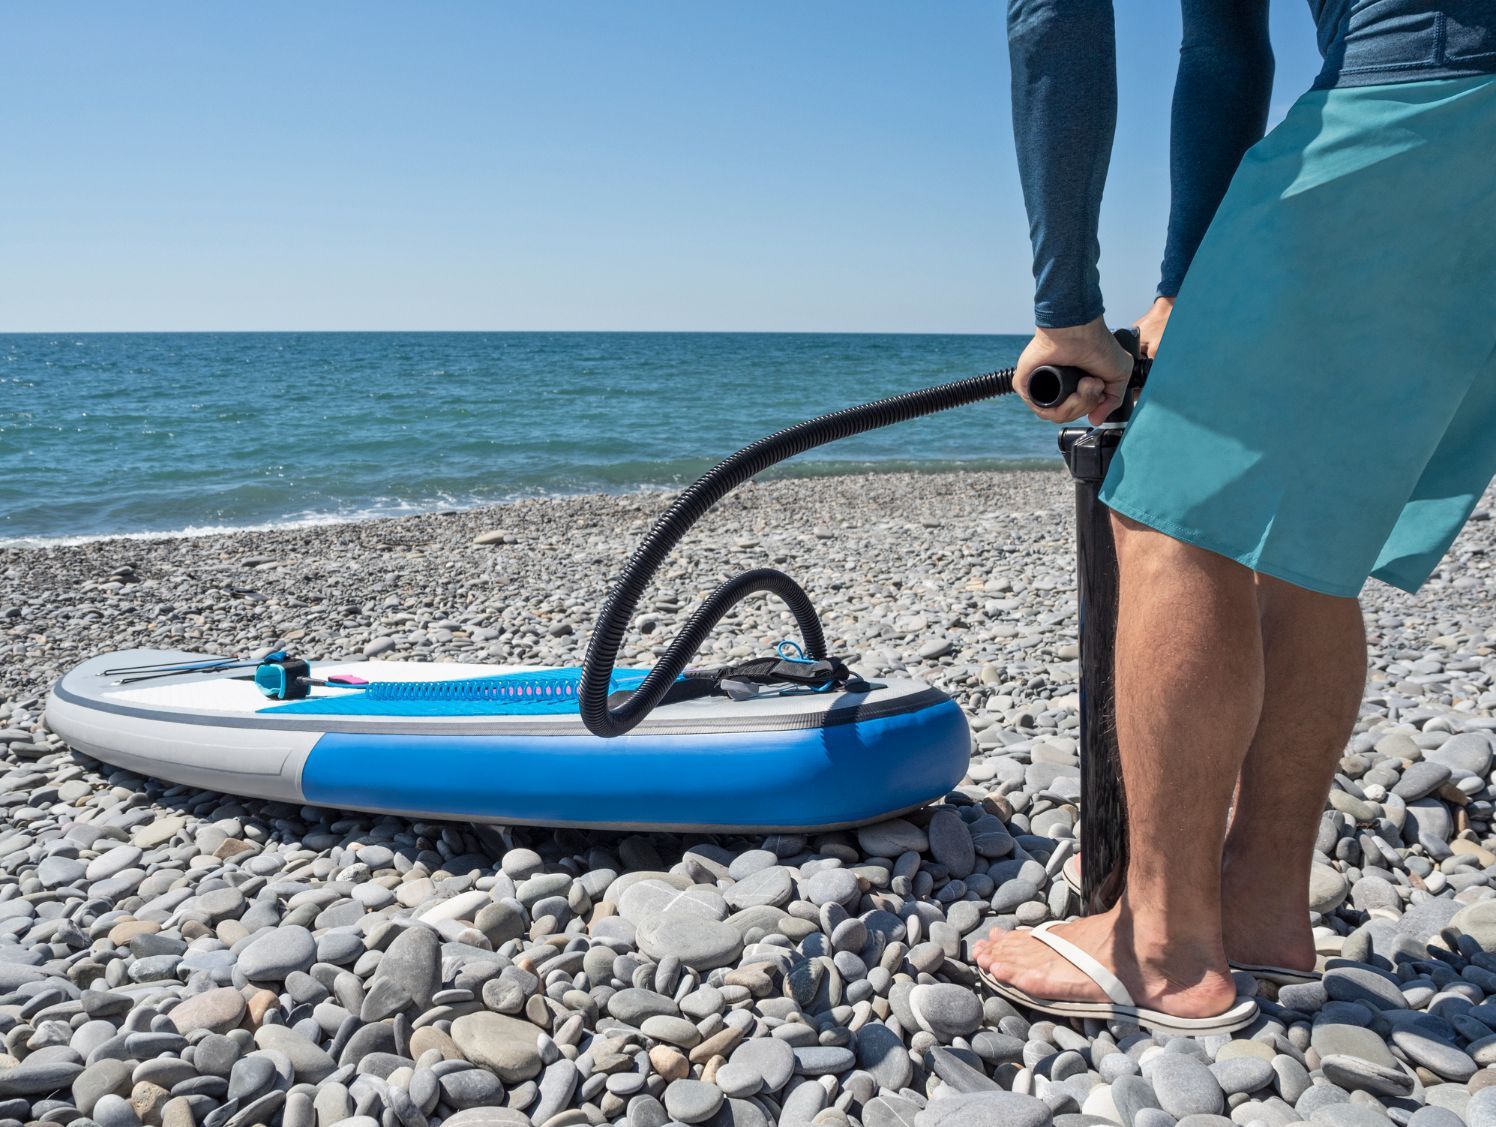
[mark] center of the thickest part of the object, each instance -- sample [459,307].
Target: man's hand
[1089,346]
[1150,326]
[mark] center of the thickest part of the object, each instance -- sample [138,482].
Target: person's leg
[1189,686]
[1314,650]
[1314,654]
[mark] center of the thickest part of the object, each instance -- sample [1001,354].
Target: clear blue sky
[764,165]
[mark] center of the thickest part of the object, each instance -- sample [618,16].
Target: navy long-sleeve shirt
[1063,55]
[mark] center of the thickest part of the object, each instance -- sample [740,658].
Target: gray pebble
[879,1051]
[770,1058]
[947,1011]
[275,954]
[1184,1086]
[985,1109]
[833,886]
[692,1101]
[823,1060]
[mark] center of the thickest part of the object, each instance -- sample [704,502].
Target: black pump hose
[1047,387]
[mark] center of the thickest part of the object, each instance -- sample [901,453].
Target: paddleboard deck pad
[777,761]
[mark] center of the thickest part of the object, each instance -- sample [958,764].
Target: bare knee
[1286,606]
[1291,598]
[1145,552]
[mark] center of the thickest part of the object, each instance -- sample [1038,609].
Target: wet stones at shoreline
[170,956]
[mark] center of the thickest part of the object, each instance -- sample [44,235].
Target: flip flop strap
[1109,983]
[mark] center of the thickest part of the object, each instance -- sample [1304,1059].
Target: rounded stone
[692,1101]
[102,1078]
[471,1087]
[985,1109]
[739,1081]
[946,1010]
[147,1099]
[1131,1096]
[773,887]
[115,1111]
[634,1005]
[275,954]
[35,1077]
[951,844]
[1356,1073]
[672,1030]
[699,942]
[1369,987]
[1242,1074]
[833,886]
[507,1045]
[771,1058]
[1184,1086]
[1481,1110]
[112,863]
[1468,751]
[823,1060]
[55,872]
[217,1011]
[1478,921]
[310,1061]
[882,1053]
[1327,888]
[892,837]
[408,976]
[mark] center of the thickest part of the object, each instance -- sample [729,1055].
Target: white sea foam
[299,520]
[379,509]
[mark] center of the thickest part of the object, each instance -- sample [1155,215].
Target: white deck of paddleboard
[238,694]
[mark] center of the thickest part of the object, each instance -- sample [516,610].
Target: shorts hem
[1400,581]
[1199,539]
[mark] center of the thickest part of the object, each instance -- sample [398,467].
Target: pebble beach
[171,956]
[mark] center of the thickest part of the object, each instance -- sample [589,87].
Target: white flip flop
[1121,1007]
[1280,976]
[1070,873]
[1268,972]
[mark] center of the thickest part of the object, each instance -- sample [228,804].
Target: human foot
[1266,924]
[1263,932]
[1090,968]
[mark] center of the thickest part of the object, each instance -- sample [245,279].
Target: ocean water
[126,433]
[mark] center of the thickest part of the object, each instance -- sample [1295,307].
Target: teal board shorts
[1323,404]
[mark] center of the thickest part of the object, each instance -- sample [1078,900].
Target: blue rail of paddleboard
[812,777]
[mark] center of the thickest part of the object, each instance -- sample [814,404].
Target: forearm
[1221,99]
[1064,67]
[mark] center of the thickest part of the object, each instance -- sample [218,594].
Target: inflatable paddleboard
[425,740]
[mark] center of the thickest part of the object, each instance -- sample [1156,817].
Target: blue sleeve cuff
[1048,317]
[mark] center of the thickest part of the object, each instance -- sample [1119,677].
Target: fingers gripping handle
[1051,384]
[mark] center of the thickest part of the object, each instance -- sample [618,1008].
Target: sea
[138,434]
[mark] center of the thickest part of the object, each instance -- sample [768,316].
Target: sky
[773,165]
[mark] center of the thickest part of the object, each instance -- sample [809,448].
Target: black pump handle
[1051,384]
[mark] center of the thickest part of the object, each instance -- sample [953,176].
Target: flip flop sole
[1240,1015]
[1282,976]
[1070,874]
